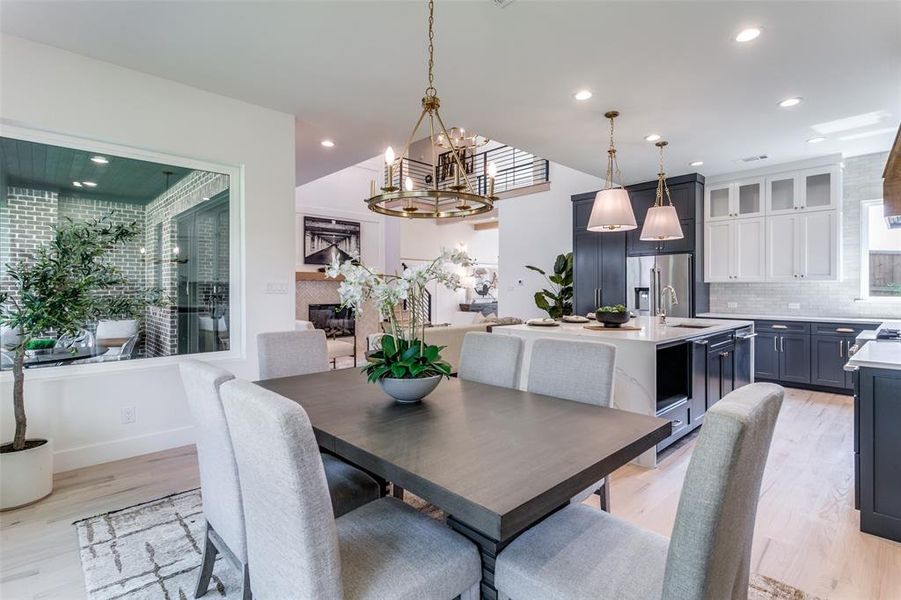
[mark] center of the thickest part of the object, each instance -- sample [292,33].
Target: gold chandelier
[439,191]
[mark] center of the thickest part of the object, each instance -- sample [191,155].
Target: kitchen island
[876,369]
[674,370]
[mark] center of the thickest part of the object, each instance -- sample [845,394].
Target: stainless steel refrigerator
[651,279]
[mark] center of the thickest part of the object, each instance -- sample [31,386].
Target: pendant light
[612,209]
[662,222]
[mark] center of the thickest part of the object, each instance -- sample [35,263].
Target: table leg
[488,550]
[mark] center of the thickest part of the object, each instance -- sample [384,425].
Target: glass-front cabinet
[810,189]
[735,199]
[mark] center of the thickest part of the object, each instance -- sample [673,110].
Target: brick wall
[27,219]
[861,180]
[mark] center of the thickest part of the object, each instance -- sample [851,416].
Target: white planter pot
[26,476]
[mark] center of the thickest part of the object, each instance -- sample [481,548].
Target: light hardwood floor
[807,529]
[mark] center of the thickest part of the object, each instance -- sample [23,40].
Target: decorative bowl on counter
[612,316]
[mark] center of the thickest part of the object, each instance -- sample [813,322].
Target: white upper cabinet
[811,189]
[783,226]
[734,200]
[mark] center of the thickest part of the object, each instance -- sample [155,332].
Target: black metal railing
[516,169]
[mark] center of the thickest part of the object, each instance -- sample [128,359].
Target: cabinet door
[766,356]
[749,247]
[794,358]
[586,270]
[718,205]
[818,245]
[612,268]
[698,381]
[749,198]
[640,247]
[781,194]
[819,188]
[782,247]
[827,360]
[581,213]
[727,370]
[718,249]
[714,378]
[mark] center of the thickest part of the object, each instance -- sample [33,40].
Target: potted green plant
[405,367]
[57,291]
[557,302]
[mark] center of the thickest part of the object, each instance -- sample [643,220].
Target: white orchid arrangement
[363,284]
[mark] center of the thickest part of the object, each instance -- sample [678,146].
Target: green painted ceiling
[29,164]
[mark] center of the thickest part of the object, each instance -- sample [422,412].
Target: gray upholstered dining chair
[289,353]
[298,549]
[577,371]
[348,487]
[580,552]
[491,359]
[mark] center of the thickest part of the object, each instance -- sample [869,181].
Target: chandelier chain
[613,172]
[430,91]
[662,187]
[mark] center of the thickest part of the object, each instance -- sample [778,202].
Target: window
[880,269]
[174,292]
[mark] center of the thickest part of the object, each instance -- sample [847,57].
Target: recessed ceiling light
[205,198]
[100,160]
[789,102]
[816,140]
[89,183]
[327,143]
[651,138]
[747,35]
[582,95]
[696,163]
[76,183]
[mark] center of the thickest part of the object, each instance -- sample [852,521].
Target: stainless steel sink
[692,325]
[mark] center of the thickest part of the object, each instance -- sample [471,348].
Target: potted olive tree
[57,291]
[405,367]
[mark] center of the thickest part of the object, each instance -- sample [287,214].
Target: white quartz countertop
[879,354]
[799,318]
[651,330]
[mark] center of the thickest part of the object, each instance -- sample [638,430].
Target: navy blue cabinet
[599,262]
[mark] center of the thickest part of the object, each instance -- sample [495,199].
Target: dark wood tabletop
[496,459]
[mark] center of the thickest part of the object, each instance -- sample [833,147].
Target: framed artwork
[326,239]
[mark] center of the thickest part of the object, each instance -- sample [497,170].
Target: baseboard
[95,454]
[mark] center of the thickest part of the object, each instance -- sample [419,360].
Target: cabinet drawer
[782,326]
[719,343]
[842,329]
[678,416]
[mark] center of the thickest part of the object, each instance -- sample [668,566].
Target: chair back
[292,540]
[492,359]
[710,551]
[578,371]
[289,353]
[218,469]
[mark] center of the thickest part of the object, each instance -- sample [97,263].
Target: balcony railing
[516,169]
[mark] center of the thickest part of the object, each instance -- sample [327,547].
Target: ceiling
[55,168]
[354,72]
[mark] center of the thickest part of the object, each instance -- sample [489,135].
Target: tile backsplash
[862,180]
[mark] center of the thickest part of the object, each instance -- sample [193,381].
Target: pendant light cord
[662,187]
[430,91]
[613,172]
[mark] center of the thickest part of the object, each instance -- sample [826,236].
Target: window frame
[865,296]
[237,312]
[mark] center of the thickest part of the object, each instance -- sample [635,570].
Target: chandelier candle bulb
[389,160]
[492,175]
[408,184]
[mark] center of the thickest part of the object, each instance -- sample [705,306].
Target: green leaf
[560,264]
[398,371]
[535,269]
[541,302]
[432,353]
[410,352]
[389,348]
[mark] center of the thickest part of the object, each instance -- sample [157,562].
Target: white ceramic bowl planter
[26,475]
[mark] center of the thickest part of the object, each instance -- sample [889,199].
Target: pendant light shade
[612,211]
[662,221]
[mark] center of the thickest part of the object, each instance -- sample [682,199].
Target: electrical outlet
[794,305]
[732,304]
[128,415]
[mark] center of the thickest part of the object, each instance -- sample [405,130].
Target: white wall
[534,229]
[341,196]
[48,89]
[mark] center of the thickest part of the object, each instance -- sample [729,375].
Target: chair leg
[397,491]
[206,566]
[245,585]
[604,493]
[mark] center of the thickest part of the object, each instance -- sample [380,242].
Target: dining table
[495,460]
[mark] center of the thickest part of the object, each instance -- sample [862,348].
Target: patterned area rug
[152,551]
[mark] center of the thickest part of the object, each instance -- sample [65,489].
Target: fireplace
[337,322]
